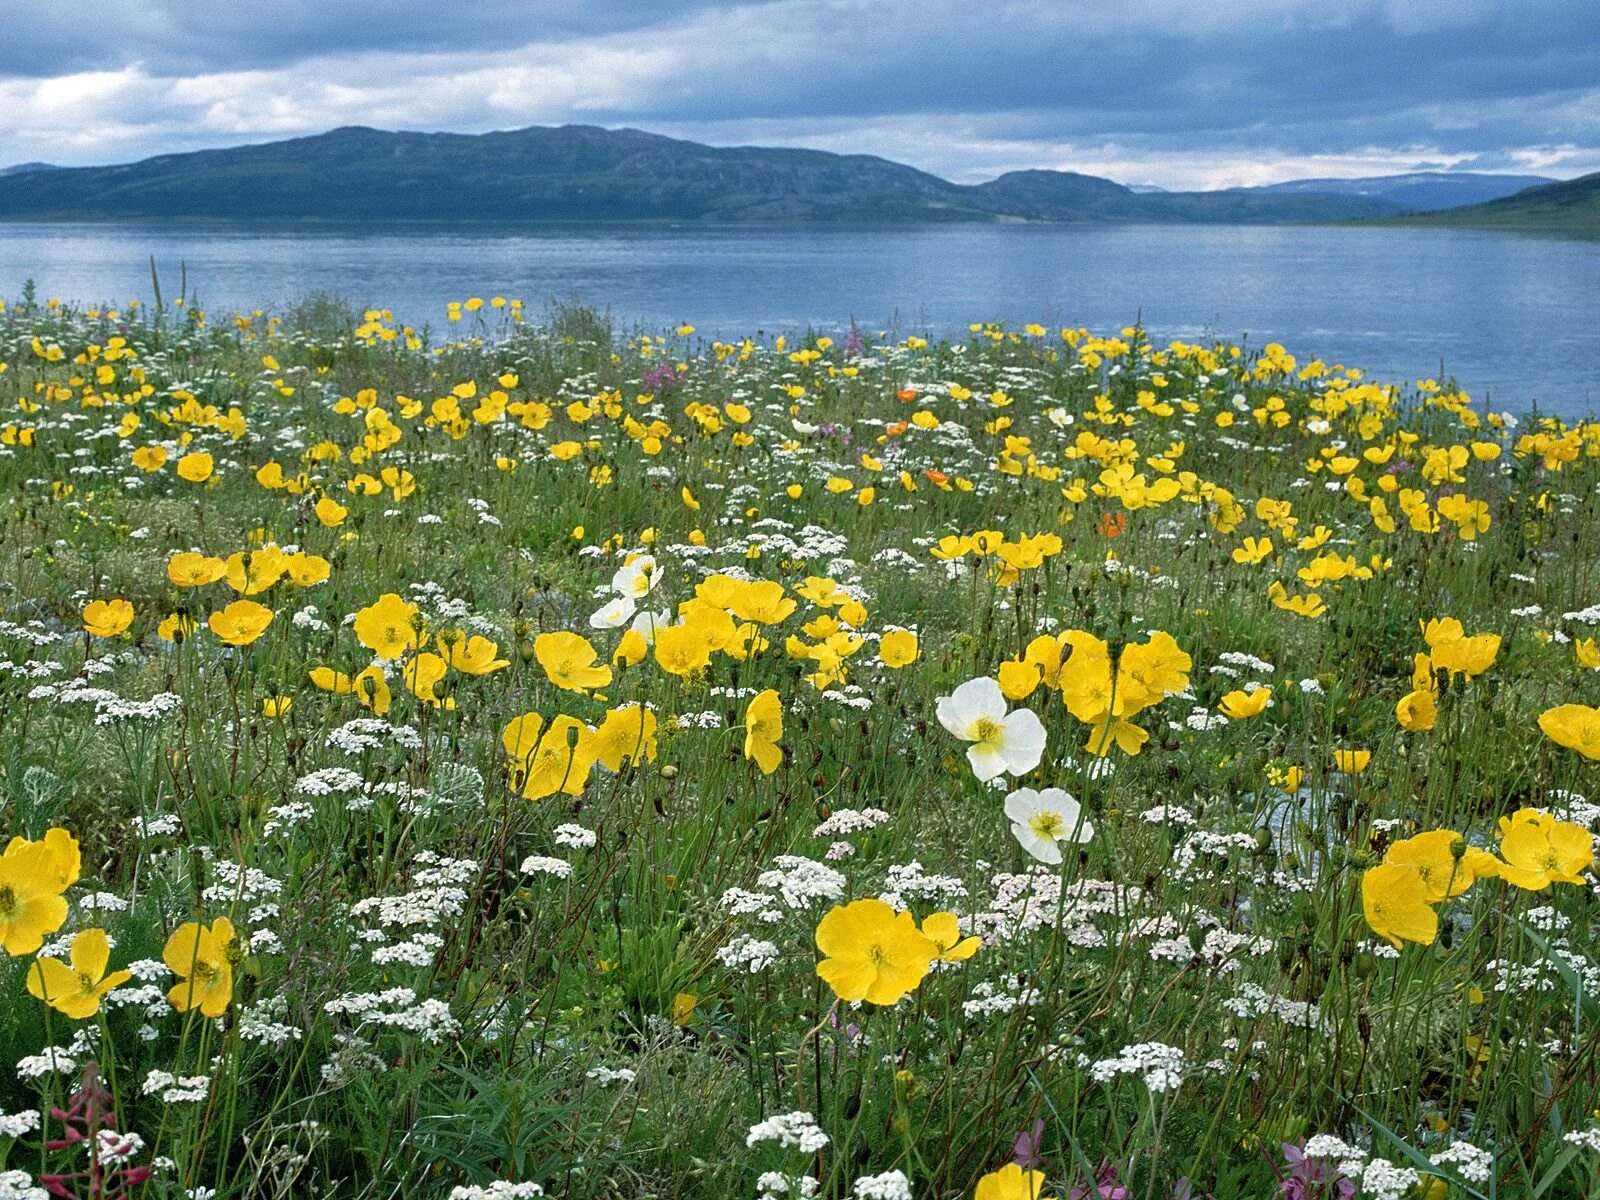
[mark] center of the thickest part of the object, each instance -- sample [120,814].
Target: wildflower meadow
[516,757]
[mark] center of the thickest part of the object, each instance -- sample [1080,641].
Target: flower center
[986,729]
[1047,824]
[8,901]
[876,955]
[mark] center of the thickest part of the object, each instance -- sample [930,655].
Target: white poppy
[976,712]
[614,614]
[1041,821]
[647,624]
[638,579]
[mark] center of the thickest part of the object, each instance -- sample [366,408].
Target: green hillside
[1571,206]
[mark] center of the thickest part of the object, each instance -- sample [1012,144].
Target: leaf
[1089,1173]
[1555,1171]
[1585,1004]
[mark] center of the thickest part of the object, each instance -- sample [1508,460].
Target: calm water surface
[1515,318]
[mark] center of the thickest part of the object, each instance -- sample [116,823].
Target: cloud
[1169,91]
[189,37]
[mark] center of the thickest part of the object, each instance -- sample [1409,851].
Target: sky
[1176,93]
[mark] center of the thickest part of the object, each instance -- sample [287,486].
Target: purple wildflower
[1312,1179]
[1106,1185]
[1026,1150]
[659,380]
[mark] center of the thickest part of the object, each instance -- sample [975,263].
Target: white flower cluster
[1160,1066]
[1246,662]
[1224,949]
[846,821]
[906,881]
[281,816]
[742,902]
[1383,1180]
[1032,900]
[793,1131]
[1253,1001]
[1588,1139]
[53,1058]
[745,953]
[368,733]
[775,1185]
[238,882]
[801,882]
[1203,720]
[987,1000]
[891,1185]
[1584,616]
[398,1008]
[433,599]
[35,633]
[418,950]
[156,708]
[307,618]
[14,1125]
[351,1059]
[851,696]
[158,825]
[420,907]
[498,1190]
[1326,1148]
[575,837]
[329,781]
[112,1148]
[176,1089]
[260,1024]
[1214,846]
[19,1185]
[1570,806]
[540,864]
[1471,1163]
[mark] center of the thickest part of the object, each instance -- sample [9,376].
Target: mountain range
[586,173]
[1419,191]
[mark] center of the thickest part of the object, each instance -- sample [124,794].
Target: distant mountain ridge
[1418,191]
[586,173]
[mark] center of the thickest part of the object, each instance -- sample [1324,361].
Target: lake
[1512,316]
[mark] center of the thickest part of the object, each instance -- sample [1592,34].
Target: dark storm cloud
[45,37]
[1221,91]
